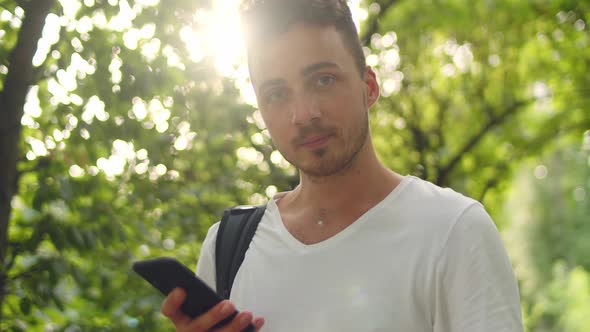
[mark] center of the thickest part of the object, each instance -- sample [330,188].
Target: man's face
[313,99]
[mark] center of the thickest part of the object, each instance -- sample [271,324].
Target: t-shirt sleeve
[476,290]
[206,263]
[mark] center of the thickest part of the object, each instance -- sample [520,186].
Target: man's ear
[372,86]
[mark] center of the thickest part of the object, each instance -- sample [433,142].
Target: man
[355,246]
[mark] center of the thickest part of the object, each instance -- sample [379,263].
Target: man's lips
[315,141]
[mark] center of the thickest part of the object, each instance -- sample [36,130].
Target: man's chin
[326,169]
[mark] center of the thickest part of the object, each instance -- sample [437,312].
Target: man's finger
[258,322]
[209,319]
[239,323]
[171,306]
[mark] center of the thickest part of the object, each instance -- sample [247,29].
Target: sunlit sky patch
[221,38]
[217,35]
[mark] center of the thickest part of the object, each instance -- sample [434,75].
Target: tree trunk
[12,100]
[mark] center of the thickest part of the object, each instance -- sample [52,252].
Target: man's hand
[206,321]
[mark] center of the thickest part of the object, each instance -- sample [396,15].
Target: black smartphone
[166,273]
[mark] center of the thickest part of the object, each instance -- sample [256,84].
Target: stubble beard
[331,161]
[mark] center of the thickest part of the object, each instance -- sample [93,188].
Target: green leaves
[110,184]
[479,91]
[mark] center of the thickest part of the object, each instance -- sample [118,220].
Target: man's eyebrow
[267,83]
[305,72]
[317,66]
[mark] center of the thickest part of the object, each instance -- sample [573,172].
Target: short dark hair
[265,19]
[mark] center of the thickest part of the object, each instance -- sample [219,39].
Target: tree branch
[12,100]
[475,139]
[495,180]
[539,142]
[27,273]
[16,249]
[443,105]
[420,139]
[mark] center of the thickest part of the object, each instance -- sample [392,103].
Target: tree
[474,88]
[12,99]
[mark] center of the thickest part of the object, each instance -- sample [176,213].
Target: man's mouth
[315,141]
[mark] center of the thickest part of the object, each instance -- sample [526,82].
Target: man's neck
[366,182]
[319,208]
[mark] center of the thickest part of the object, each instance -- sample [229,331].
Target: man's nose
[304,110]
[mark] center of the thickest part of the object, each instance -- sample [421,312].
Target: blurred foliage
[549,209]
[476,87]
[137,152]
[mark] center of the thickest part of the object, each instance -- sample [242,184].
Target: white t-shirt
[423,259]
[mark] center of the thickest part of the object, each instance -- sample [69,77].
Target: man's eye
[325,81]
[275,96]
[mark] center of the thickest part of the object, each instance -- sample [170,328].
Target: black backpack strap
[236,230]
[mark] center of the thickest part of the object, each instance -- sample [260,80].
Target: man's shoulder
[430,210]
[423,194]
[432,213]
